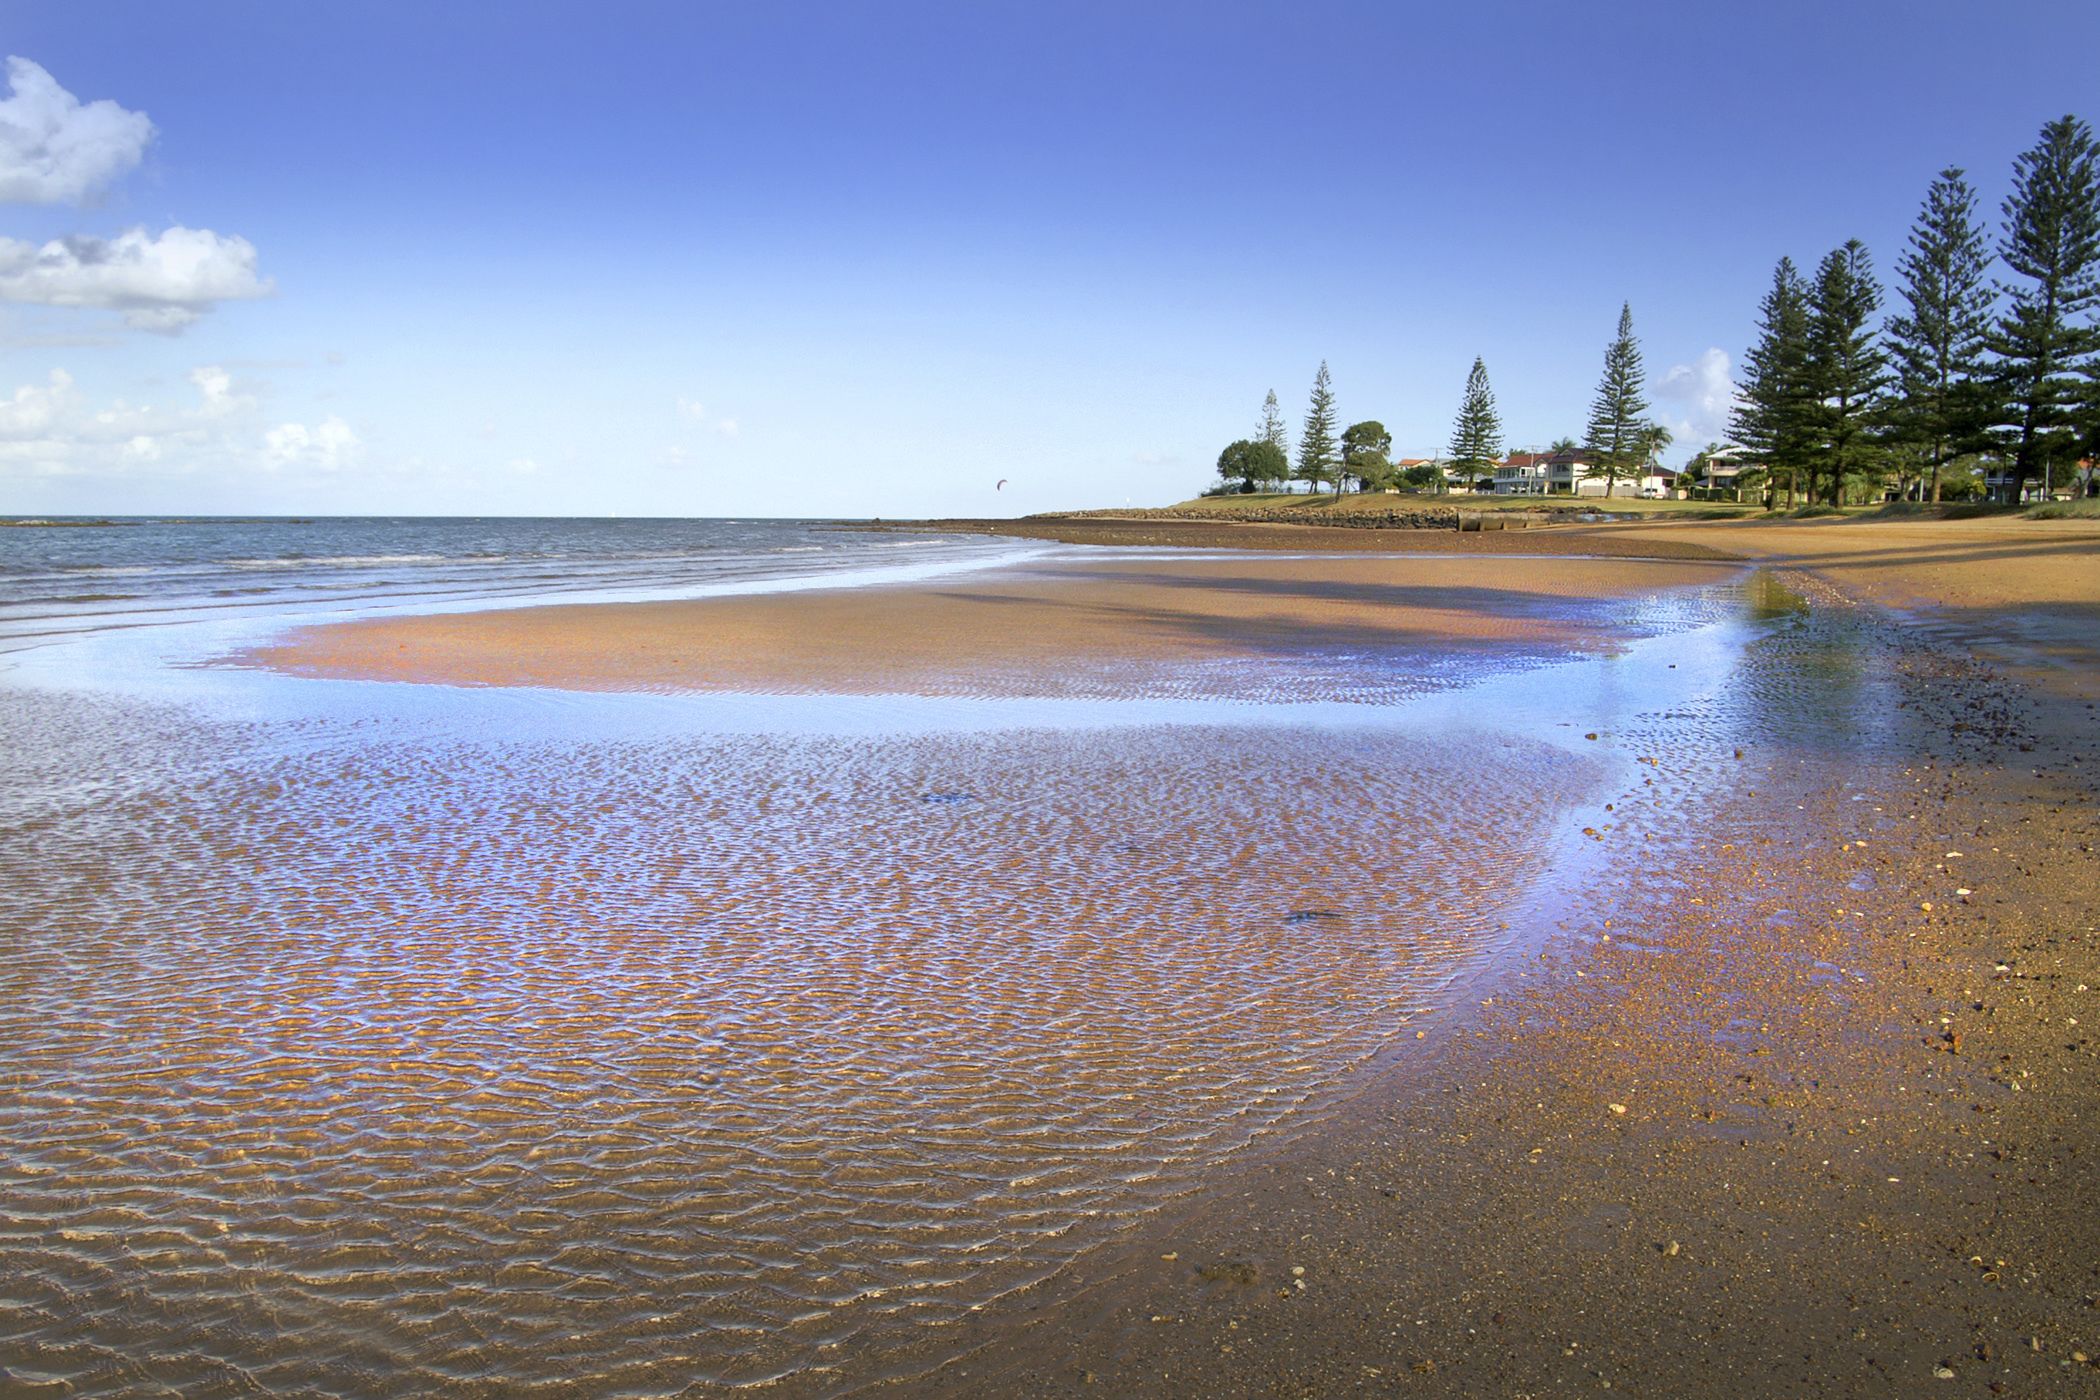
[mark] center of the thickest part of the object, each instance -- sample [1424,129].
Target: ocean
[61,576]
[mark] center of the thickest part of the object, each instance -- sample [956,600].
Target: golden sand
[1044,629]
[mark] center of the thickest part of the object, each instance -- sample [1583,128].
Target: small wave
[339,561]
[800,549]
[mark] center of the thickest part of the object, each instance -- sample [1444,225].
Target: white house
[1567,473]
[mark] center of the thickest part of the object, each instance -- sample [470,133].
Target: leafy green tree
[1613,436]
[1252,462]
[1317,458]
[1476,437]
[1846,368]
[1366,453]
[2045,339]
[1939,345]
[1424,476]
[1771,421]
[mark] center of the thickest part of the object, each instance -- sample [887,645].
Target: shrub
[2066,510]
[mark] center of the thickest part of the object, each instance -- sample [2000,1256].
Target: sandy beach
[1654,956]
[1794,1097]
[1063,627]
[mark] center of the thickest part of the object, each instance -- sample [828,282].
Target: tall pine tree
[1272,432]
[1939,345]
[1771,420]
[1318,459]
[1476,438]
[2045,340]
[1847,371]
[1613,437]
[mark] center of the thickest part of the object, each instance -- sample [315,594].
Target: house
[1725,470]
[1568,473]
[1658,483]
[2081,479]
[1521,474]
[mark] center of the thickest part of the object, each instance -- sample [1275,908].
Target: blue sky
[862,259]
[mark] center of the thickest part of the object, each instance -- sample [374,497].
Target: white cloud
[55,149]
[329,445]
[159,283]
[33,409]
[1701,395]
[727,427]
[688,408]
[50,429]
[522,466]
[216,385]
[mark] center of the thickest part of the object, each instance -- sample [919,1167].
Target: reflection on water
[369,1061]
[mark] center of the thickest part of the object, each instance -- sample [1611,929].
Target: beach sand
[1802,1105]
[1106,626]
[1792,1094]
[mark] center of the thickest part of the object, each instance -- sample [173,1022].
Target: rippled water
[365,1038]
[66,578]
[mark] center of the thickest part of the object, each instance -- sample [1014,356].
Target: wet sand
[1063,628]
[1801,1102]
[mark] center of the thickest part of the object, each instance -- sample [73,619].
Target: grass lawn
[1378,501]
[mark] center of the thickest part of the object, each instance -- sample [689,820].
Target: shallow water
[366,1038]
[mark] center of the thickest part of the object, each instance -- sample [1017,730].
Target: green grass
[2065,510]
[1378,501]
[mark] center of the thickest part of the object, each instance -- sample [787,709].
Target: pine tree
[1476,438]
[1939,345]
[2045,340]
[1770,421]
[1613,437]
[1317,459]
[1846,369]
[1273,432]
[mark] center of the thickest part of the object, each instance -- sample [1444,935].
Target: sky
[853,259]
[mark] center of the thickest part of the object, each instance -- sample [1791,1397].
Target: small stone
[1170,1258]
[1297,1271]
[1943,1373]
[1670,1250]
[1589,736]
[1616,1107]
